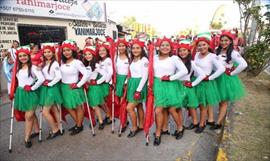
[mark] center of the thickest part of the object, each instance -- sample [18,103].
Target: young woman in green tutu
[26,96]
[189,81]
[167,69]
[50,95]
[230,86]
[206,91]
[71,87]
[93,85]
[105,68]
[137,86]
[122,68]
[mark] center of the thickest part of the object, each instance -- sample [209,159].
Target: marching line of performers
[184,80]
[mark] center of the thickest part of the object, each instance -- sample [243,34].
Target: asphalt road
[105,146]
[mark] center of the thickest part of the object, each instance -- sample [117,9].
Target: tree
[256,34]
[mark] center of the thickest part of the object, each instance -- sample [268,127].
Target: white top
[236,58]
[197,71]
[139,69]
[105,68]
[93,75]
[35,79]
[172,66]
[208,63]
[121,66]
[70,72]
[54,76]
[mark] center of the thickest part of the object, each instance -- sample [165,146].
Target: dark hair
[91,63]
[142,55]
[44,62]
[16,42]
[187,61]
[229,50]
[126,53]
[99,57]
[29,64]
[74,55]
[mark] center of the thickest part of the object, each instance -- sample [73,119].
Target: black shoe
[215,127]
[157,140]
[77,130]
[123,129]
[192,126]
[210,123]
[27,144]
[132,133]
[179,134]
[166,132]
[72,128]
[199,129]
[34,135]
[101,126]
[53,135]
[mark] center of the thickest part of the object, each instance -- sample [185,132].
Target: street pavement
[105,146]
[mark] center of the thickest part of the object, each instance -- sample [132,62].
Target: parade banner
[65,9]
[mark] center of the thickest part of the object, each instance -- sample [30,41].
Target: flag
[109,101]
[123,110]
[149,114]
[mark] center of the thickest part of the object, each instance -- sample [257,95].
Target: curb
[225,133]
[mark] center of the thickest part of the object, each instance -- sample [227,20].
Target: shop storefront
[38,21]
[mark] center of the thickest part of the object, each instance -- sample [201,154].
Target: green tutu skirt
[105,89]
[190,98]
[25,101]
[95,95]
[230,87]
[50,95]
[207,93]
[72,97]
[120,83]
[132,85]
[167,94]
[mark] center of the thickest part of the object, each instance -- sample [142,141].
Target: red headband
[138,42]
[26,51]
[48,47]
[186,46]
[228,34]
[165,39]
[122,41]
[103,45]
[90,50]
[68,45]
[202,39]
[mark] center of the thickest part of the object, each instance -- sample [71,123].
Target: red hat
[91,49]
[122,41]
[228,34]
[137,41]
[24,49]
[69,44]
[202,39]
[106,45]
[185,44]
[165,39]
[49,46]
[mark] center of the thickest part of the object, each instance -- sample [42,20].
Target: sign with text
[66,9]
[8,31]
[86,28]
